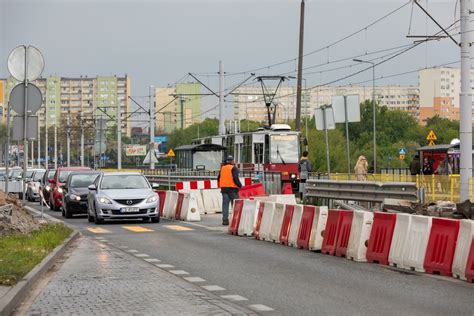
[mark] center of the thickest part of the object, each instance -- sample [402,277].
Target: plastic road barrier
[418,236]
[277,222]
[248,218]
[359,238]
[258,222]
[330,233]
[465,237]
[295,225]
[189,209]
[169,207]
[179,206]
[318,227]
[236,215]
[287,188]
[399,240]
[196,185]
[381,236]
[305,226]
[441,246]
[267,218]
[344,233]
[252,190]
[470,264]
[212,201]
[162,197]
[286,224]
[198,196]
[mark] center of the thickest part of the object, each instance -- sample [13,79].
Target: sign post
[170,155]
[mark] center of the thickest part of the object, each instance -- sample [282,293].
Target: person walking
[415,165]
[360,168]
[229,183]
[304,168]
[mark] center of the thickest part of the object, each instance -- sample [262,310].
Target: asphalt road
[290,281]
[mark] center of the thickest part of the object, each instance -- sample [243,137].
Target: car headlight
[293,176]
[60,190]
[74,197]
[152,199]
[48,187]
[105,200]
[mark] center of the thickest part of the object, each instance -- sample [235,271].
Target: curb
[17,293]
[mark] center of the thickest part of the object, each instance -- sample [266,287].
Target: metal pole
[181,100]
[25,128]
[119,136]
[101,121]
[347,137]
[46,152]
[32,154]
[327,140]
[152,127]
[8,148]
[82,139]
[39,144]
[221,99]
[374,111]
[306,115]
[300,69]
[68,142]
[465,127]
[55,144]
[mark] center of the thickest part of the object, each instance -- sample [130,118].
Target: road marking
[178,227]
[132,250]
[261,308]
[138,229]
[141,255]
[235,298]
[213,288]
[98,230]
[100,238]
[178,272]
[163,265]
[194,279]
[152,260]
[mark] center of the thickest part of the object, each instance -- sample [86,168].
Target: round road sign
[34,60]
[17,99]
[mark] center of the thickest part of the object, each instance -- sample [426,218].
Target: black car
[74,200]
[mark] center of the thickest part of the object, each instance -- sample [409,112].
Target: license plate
[130,209]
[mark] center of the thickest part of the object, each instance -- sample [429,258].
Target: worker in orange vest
[229,183]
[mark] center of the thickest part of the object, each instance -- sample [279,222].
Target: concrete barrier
[189,208]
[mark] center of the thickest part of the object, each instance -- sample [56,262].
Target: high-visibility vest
[226,180]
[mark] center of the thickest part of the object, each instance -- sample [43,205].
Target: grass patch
[19,254]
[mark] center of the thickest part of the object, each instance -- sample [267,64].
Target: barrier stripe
[206,184]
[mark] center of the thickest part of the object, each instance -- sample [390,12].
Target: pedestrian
[304,168]
[427,166]
[371,169]
[361,168]
[415,165]
[229,183]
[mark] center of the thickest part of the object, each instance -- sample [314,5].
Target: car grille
[118,212]
[126,202]
[83,197]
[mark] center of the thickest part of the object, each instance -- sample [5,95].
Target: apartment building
[94,97]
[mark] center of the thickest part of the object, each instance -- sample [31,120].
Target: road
[280,279]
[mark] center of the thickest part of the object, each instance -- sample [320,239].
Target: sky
[157,42]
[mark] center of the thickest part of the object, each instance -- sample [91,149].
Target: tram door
[258,144]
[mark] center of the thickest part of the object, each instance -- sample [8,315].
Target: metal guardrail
[363,191]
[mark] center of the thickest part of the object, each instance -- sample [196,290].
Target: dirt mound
[15,219]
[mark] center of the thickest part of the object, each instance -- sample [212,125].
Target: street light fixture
[373,108]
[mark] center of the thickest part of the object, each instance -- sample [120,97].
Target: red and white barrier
[418,236]
[381,237]
[197,195]
[295,225]
[248,218]
[267,218]
[277,221]
[399,240]
[197,185]
[344,233]
[465,238]
[330,233]
[318,227]
[360,234]
[212,201]
[236,216]
[305,226]
[189,208]
[286,224]
[258,222]
[169,206]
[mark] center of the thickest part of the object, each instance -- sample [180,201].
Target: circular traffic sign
[33,60]
[17,99]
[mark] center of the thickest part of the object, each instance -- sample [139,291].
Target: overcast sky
[157,42]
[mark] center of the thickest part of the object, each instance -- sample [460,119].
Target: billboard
[135,150]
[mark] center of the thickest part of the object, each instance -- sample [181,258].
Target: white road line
[213,288]
[152,260]
[235,298]
[132,250]
[164,265]
[141,255]
[179,272]
[194,279]
[261,308]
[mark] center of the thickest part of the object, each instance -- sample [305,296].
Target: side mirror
[92,187]
[155,185]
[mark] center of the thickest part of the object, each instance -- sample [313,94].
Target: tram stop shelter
[200,156]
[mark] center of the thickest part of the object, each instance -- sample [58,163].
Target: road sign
[17,62]
[402,157]
[17,99]
[342,103]
[431,136]
[150,158]
[402,151]
[329,116]
[170,153]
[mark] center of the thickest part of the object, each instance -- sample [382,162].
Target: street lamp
[373,107]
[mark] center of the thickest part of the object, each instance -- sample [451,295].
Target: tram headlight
[293,176]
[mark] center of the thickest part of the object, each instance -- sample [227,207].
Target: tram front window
[284,148]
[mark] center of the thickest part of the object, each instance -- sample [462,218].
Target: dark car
[74,200]
[45,186]
[60,178]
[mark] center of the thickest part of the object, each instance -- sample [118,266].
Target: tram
[268,149]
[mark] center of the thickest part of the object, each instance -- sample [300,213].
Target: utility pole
[68,142]
[119,136]
[221,99]
[465,127]
[152,126]
[55,145]
[39,145]
[181,102]
[32,154]
[300,69]
[82,138]
[46,152]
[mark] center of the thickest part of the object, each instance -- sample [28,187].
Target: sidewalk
[101,280]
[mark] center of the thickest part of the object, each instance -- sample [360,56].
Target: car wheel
[62,212]
[51,207]
[155,219]
[67,213]
[97,220]
[90,218]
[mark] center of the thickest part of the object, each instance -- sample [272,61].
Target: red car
[60,178]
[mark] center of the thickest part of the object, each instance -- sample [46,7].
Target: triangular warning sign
[150,158]
[431,136]
[170,153]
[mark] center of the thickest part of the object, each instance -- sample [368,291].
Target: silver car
[122,195]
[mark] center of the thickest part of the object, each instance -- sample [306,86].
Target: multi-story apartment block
[178,107]
[97,97]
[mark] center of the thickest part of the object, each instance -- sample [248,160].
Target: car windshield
[38,175]
[82,180]
[15,173]
[284,149]
[125,181]
[63,175]
[51,174]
